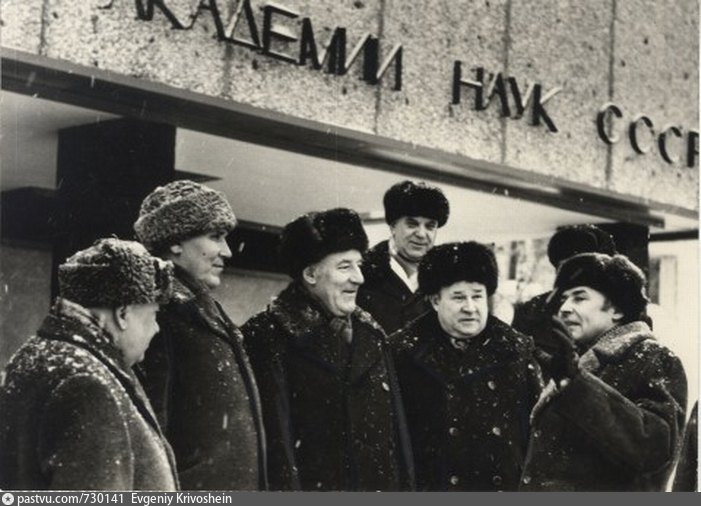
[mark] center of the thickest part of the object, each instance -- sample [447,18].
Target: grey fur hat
[615,276]
[180,210]
[312,236]
[408,198]
[458,261]
[113,273]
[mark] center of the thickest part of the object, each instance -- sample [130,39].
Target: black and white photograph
[348,246]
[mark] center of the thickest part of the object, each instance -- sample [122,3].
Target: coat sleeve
[641,431]
[408,473]
[83,441]
[267,361]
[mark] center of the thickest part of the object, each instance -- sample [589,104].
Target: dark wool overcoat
[201,384]
[73,415]
[468,410]
[617,426]
[333,413]
[686,478]
[384,295]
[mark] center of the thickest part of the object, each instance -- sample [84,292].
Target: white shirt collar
[412,282]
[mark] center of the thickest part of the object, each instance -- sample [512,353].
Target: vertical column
[104,172]
[632,241]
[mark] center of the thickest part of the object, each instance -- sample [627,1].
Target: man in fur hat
[612,417]
[468,380]
[414,213]
[332,409]
[534,317]
[197,372]
[73,416]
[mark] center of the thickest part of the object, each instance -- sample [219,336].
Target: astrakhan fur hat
[416,199]
[574,239]
[113,273]
[312,236]
[616,277]
[458,261]
[180,210]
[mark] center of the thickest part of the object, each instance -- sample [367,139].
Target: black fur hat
[113,273]
[179,210]
[312,236]
[616,277]
[416,199]
[458,261]
[574,239]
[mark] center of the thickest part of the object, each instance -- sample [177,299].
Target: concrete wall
[25,295]
[640,54]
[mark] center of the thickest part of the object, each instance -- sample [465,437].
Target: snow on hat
[458,261]
[313,236]
[416,199]
[113,273]
[616,277]
[180,210]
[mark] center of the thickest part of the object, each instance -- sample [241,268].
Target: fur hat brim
[416,199]
[114,273]
[616,277]
[313,236]
[450,263]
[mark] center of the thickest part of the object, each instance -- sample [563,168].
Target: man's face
[335,280]
[203,256]
[462,309]
[587,313]
[413,236]
[140,326]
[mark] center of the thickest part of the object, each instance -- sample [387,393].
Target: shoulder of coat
[376,263]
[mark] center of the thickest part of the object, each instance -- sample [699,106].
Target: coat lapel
[450,366]
[367,349]
[98,344]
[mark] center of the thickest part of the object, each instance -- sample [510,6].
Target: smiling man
[332,410]
[197,372]
[468,380]
[414,213]
[612,417]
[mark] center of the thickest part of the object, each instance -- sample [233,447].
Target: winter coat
[686,478]
[73,415]
[468,410]
[617,425]
[201,384]
[333,413]
[384,295]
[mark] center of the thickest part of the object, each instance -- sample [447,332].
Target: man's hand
[563,360]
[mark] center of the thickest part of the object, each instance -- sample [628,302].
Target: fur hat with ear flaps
[574,239]
[416,199]
[458,261]
[180,210]
[113,273]
[312,236]
[616,277]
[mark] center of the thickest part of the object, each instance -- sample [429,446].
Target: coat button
[454,480]
[453,431]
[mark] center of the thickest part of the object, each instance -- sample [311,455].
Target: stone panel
[434,34]
[562,44]
[302,91]
[107,35]
[656,73]
[20,25]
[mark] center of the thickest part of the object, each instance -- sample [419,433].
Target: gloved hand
[562,358]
